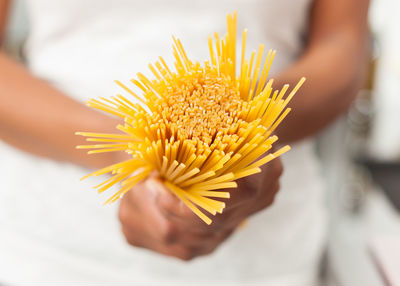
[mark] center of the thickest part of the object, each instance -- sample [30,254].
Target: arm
[333,63]
[337,39]
[41,120]
[4,7]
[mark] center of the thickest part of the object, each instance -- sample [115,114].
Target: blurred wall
[385,24]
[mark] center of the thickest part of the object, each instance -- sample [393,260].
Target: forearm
[333,79]
[41,120]
[334,63]
[4,7]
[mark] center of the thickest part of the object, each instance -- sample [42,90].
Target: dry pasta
[201,127]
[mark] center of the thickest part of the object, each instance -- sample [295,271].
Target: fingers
[138,212]
[153,231]
[250,189]
[168,203]
[267,199]
[246,191]
[203,247]
[253,194]
[174,209]
[274,168]
[145,224]
[269,187]
[153,217]
[188,252]
[150,198]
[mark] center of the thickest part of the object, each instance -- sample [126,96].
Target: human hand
[152,217]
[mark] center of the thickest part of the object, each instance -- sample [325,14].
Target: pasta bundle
[200,127]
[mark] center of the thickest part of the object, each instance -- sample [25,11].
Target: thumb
[164,198]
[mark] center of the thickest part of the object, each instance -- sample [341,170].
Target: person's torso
[90,43]
[81,47]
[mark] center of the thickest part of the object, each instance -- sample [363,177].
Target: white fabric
[54,229]
[385,135]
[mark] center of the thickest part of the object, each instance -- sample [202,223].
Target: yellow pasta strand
[199,127]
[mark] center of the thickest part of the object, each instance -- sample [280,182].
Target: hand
[153,218]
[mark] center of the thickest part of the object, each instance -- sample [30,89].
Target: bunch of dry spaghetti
[200,127]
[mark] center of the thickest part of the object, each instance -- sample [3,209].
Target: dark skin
[334,62]
[337,38]
[37,119]
[173,229]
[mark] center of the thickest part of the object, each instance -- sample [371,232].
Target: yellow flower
[199,127]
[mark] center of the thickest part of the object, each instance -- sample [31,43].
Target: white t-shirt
[54,229]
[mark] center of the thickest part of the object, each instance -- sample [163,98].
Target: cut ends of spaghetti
[200,126]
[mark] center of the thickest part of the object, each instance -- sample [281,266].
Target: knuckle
[187,254]
[123,213]
[167,203]
[225,234]
[277,187]
[252,194]
[132,242]
[168,232]
[187,213]
[269,201]
[249,190]
[210,246]
[278,170]
[270,198]
[129,238]
[210,249]
[252,190]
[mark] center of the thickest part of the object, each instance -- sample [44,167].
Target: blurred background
[360,153]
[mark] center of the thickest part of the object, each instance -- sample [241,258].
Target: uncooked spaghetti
[201,127]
